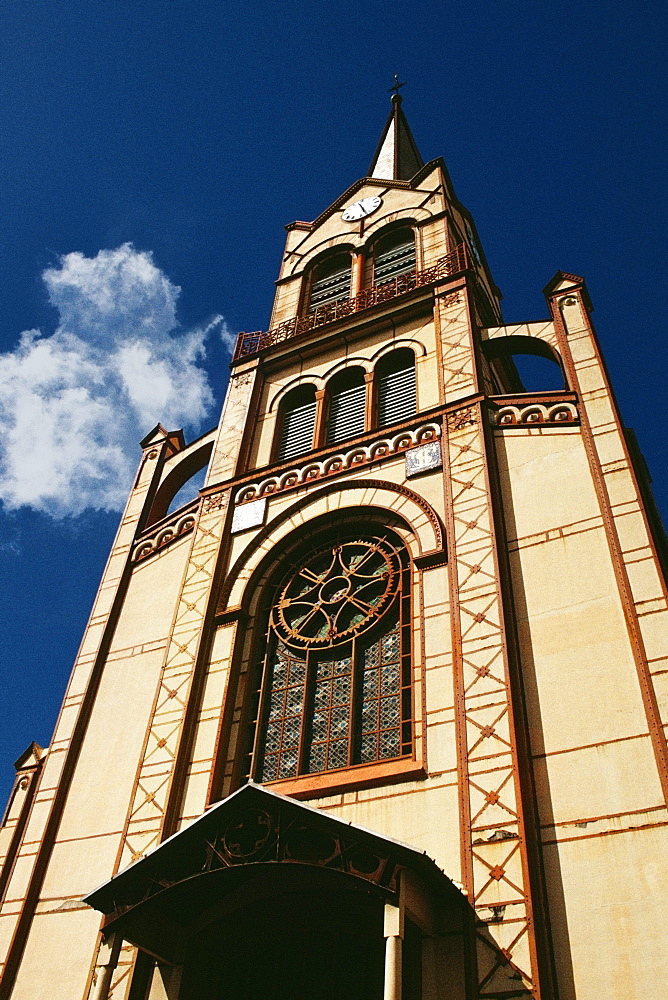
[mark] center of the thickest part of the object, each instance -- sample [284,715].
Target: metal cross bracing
[494,850]
[495,868]
[451,264]
[458,361]
[145,822]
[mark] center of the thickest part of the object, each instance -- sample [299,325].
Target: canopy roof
[159,900]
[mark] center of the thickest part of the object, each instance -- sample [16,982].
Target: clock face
[360,209]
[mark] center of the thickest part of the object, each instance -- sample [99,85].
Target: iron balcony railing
[445,267]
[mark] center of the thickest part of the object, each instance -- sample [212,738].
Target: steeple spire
[397,157]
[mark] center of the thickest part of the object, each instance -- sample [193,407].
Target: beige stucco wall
[86,848]
[601,806]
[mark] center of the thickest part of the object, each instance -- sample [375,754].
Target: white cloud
[75,404]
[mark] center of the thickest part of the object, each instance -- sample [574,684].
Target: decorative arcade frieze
[535,413]
[448,266]
[159,536]
[339,462]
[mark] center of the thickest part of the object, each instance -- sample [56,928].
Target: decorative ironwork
[339,592]
[445,267]
[337,676]
[381,690]
[255,827]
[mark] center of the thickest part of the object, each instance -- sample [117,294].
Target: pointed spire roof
[397,157]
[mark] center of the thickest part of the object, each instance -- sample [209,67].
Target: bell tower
[381,711]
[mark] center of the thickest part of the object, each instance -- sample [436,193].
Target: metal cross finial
[396,86]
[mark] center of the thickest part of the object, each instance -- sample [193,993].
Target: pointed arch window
[395,387]
[346,394]
[296,423]
[330,281]
[336,673]
[393,255]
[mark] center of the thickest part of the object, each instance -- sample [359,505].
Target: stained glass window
[381,687]
[337,677]
[286,712]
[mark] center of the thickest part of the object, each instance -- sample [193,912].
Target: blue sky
[152,151]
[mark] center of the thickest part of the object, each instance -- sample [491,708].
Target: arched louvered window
[393,254]
[395,387]
[346,394]
[296,423]
[335,689]
[330,281]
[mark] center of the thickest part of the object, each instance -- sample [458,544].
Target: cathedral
[380,714]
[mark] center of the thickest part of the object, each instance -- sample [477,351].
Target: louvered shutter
[297,436]
[330,288]
[399,259]
[396,397]
[346,414]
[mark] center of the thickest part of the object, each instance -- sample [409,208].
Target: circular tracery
[338,592]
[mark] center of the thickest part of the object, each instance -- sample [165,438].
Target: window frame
[279,428]
[379,238]
[307,308]
[385,360]
[358,774]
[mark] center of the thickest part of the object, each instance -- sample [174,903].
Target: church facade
[380,713]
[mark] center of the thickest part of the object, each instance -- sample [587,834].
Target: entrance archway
[290,939]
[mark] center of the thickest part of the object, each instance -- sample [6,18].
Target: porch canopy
[249,846]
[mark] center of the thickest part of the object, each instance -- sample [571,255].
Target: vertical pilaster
[25,883]
[156,797]
[369,408]
[156,800]
[234,423]
[320,418]
[495,862]
[28,769]
[357,276]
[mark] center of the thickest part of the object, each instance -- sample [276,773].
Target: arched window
[346,394]
[393,254]
[330,281]
[395,387]
[336,672]
[296,422]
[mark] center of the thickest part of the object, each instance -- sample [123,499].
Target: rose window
[336,684]
[339,592]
